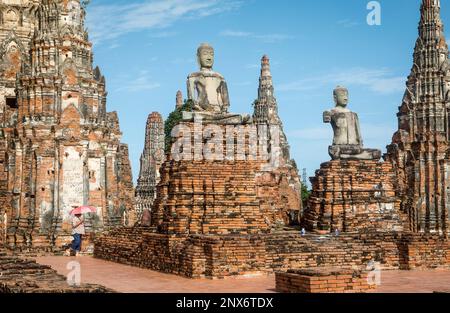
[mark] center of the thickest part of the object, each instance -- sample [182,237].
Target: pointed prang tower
[151,160]
[420,147]
[63,147]
[266,107]
[285,176]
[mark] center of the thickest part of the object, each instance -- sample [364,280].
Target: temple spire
[265,110]
[420,147]
[266,107]
[151,159]
[265,80]
[179,99]
[431,28]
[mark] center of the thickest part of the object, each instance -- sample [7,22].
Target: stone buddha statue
[347,141]
[209,92]
[208,89]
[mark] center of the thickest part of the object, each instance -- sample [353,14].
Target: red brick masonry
[323,280]
[215,256]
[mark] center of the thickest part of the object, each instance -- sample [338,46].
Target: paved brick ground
[125,278]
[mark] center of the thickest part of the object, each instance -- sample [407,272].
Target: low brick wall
[192,256]
[291,251]
[420,251]
[215,256]
[323,280]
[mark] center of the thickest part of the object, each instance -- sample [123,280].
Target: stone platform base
[354,196]
[212,256]
[323,280]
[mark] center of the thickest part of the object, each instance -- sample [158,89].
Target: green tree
[174,119]
[305,194]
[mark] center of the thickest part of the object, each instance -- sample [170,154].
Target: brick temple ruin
[225,199]
[151,160]
[218,218]
[59,147]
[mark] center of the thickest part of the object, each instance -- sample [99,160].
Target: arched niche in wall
[11,17]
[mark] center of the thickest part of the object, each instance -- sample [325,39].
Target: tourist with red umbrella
[78,229]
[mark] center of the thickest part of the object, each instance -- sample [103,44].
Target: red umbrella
[83,209]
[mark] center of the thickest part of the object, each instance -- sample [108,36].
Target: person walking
[78,231]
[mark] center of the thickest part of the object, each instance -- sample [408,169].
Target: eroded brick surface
[20,275]
[351,196]
[59,147]
[151,160]
[420,148]
[323,280]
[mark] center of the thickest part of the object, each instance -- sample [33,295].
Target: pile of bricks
[323,280]
[19,275]
[351,195]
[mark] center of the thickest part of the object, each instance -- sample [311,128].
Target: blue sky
[146,49]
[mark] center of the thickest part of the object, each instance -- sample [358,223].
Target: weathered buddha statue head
[205,56]
[341,96]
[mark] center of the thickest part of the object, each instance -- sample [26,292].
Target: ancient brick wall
[209,196]
[421,251]
[279,191]
[323,280]
[194,256]
[354,196]
[223,256]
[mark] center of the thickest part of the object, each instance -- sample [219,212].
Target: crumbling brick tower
[151,160]
[280,188]
[59,146]
[420,148]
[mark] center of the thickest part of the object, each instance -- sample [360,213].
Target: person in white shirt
[77,232]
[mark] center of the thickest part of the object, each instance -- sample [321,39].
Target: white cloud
[110,21]
[347,23]
[114,45]
[163,35]
[271,38]
[142,82]
[232,33]
[267,38]
[377,80]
